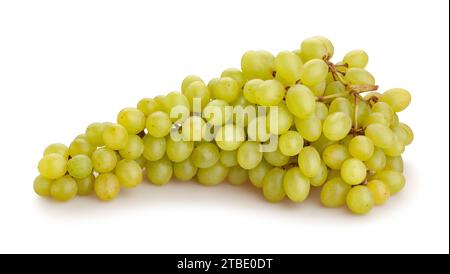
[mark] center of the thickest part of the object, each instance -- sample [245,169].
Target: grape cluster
[284,123]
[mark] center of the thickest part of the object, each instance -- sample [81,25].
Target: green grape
[141,161]
[159,172]
[403,133]
[82,136]
[378,160]
[359,76]
[276,158]
[250,89]
[330,77]
[314,72]
[154,148]
[257,129]
[322,143]
[226,89]
[269,93]
[272,185]
[319,88]
[375,118]
[177,106]
[363,111]
[148,106]
[300,101]
[85,185]
[410,134]
[313,48]
[257,64]
[80,146]
[279,119]
[288,66]
[380,191]
[216,112]
[52,166]
[393,179]
[129,173]
[341,105]
[134,148]
[242,115]
[310,128]
[115,136]
[397,98]
[396,149]
[336,126]
[334,192]
[256,175]
[132,119]
[192,128]
[197,90]
[42,186]
[94,134]
[229,137]
[328,45]
[360,200]
[64,189]
[394,163]
[296,185]
[309,161]
[321,177]
[290,143]
[212,175]
[240,101]
[361,147]
[381,135]
[106,186]
[104,160]
[334,87]
[57,148]
[356,59]
[185,170]
[188,80]
[353,171]
[237,175]
[205,155]
[178,151]
[384,109]
[158,124]
[335,155]
[79,166]
[235,74]
[249,155]
[228,158]
[321,111]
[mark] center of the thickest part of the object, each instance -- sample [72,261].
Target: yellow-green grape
[85,185]
[314,72]
[397,98]
[321,111]
[334,87]
[57,148]
[276,158]
[42,186]
[212,175]
[381,135]
[205,155]
[330,78]
[298,52]
[363,111]
[313,48]
[79,166]
[229,137]
[129,173]
[288,66]
[188,80]
[215,112]
[132,119]
[154,148]
[176,101]
[64,189]
[360,200]
[257,64]
[249,155]
[250,89]
[81,146]
[375,118]
[341,105]
[385,109]
[226,89]
[309,161]
[396,149]
[257,129]
[185,170]
[353,171]
[134,148]
[300,101]
[356,59]
[336,126]
[104,160]
[321,177]
[279,119]
[148,106]
[393,179]
[404,133]
[106,186]
[318,89]
[94,134]
[191,129]
[228,158]
[378,160]
[322,143]
[328,45]
[361,147]
[242,115]
[52,166]
[240,101]
[161,102]
[335,155]
[296,185]
[200,91]
[290,143]
[141,161]
[334,192]
[380,191]
[115,136]
[158,124]
[272,185]
[235,74]
[178,151]
[256,175]
[394,163]
[269,93]
[310,127]
[409,131]
[359,76]
[237,175]
[159,172]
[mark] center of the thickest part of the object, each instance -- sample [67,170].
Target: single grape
[314,72]
[290,143]
[313,48]
[177,106]
[148,106]
[321,111]
[79,166]
[361,147]
[197,90]
[212,175]
[310,127]
[257,64]
[276,158]
[64,189]
[106,186]
[359,76]
[129,173]
[269,93]
[80,146]
[318,89]
[341,104]
[300,101]
[397,98]
[158,124]
[229,137]
[115,136]
[393,179]
[104,160]
[380,191]
[205,155]
[185,170]
[217,112]
[52,166]
[279,119]
[57,148]
[237,175]
[378,160]
[384,109]
[410,133]
[272,186]
[356,59]
[159,172]
[132,119]
[226,89]
[256,175]
[296,185]
[335,155]
[321,177]
[42,186]
[334,87]
[353,171]
[250,89]
[134,148]
[154,148]
[328,45]
[360,200]
[188,80]
[178,151]
[236,75]
[396,149]
[381,135]
[334,192]
[394,163]
[336,126]
[375,118]
[85,185]
[309,161]
[249,155]
[288,66]
[228,158]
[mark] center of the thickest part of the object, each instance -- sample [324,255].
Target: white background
[65,64]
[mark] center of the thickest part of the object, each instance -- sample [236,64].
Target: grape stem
[331,96]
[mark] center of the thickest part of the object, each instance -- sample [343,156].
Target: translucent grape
[356,59]
[397,98]
[107,186]
[341,105]
[334,192]
[290,143]
[269,93]
[85,185]
[380,191]
[336,126]
[205,155]
[154,148]
[158,124]
[314,72]
[216,114]
[132,119]
[115,136]
[64,189]
[81,146]
[57,148]
[300,101]
[188,80]
[376,118]
[178,151]
[384,109]
[177,106]
[185,170]
[361,147]
[134,148]
[309,161]
[129,173]
[226,89]
[360,200]
[404,133]
[230,137]
[310,127]
[52,166]
[396,149]
[79,166]
[378,160]
[334,88]
[273,189]
[319,89]
[256,175]
[212,175]
[94,134]
[236,74]
[381,135]
[335,155]
[159,172]
[353,171]
[237,175]
[200,91]
[148,106]
[250,89]
[249,155]
[296,185]
[42,186]
[257,64]
[279,119]
[328,45]
[394,163]
[321,176]
[393,179]
[104,160]
[359,76]
[228,158]
[313,48]
[276,158]
[288,66]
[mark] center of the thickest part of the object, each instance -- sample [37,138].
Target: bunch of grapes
[284,123]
